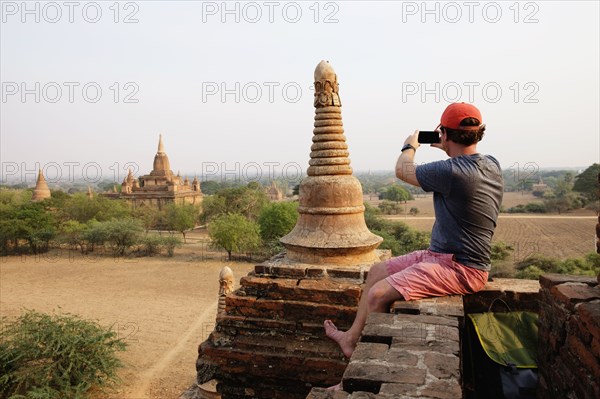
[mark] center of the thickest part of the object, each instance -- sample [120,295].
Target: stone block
[369,351]
[262,269]
[315,272]
[288,271]
[442,365]
[368,376]
[441,306]
[572,293]
[398,389]
[443,389]
[323,393]
[447,347]
[552,279]
[343,273]
[400,357]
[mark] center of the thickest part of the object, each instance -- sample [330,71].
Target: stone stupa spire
[331,227]
[41,190]
[161,146]
[161,165]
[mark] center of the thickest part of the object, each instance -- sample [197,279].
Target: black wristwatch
[407,146]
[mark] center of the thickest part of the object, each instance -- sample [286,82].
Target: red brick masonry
[569,351]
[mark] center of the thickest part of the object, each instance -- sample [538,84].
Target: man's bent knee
[381,295]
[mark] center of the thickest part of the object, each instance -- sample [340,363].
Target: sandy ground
[163,307]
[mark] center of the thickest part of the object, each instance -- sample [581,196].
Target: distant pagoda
[41,190]
[160,187]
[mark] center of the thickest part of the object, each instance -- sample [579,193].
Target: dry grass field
[568,235]
[553,236]
[163,307]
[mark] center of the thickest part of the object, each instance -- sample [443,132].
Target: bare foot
[337,387]
[343,338]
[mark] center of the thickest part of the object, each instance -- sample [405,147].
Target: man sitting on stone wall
[467,191]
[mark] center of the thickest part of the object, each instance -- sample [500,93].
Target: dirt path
[140,390]
[162,307]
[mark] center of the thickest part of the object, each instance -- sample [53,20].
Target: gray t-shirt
[467,195]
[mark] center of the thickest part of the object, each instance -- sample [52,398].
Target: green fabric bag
[509,339]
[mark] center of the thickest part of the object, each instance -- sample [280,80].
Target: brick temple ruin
[158,188]
[269,340]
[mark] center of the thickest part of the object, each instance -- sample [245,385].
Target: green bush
[397,236]
[534,266]
[170,243]
[151,244]
[531,207]
[58,356]
[500,251]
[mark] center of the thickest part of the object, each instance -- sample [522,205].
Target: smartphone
[429,137]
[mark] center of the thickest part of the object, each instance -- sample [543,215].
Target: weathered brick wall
[569,344]
[270,343]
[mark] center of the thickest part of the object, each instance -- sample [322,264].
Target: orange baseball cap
[456,112]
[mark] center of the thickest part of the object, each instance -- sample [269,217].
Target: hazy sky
[88,86]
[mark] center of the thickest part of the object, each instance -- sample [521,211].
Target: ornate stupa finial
[41,190]
[331,227]
[326,86]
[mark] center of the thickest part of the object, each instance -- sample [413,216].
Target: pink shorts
[423,274]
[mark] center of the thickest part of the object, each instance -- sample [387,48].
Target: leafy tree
[95,233]
[389,242]
[209,187]
[277,219]
[150,217]
[122,234]
[181,217]
[234,233]
[58,198]
[59,356]
[374,220]
[390,207]
[397,236]
[587,182]
[247,201]
[410,239]
[396,193]
[72,233]
[83,209]
[212,207]
[35,224]
[561,198]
